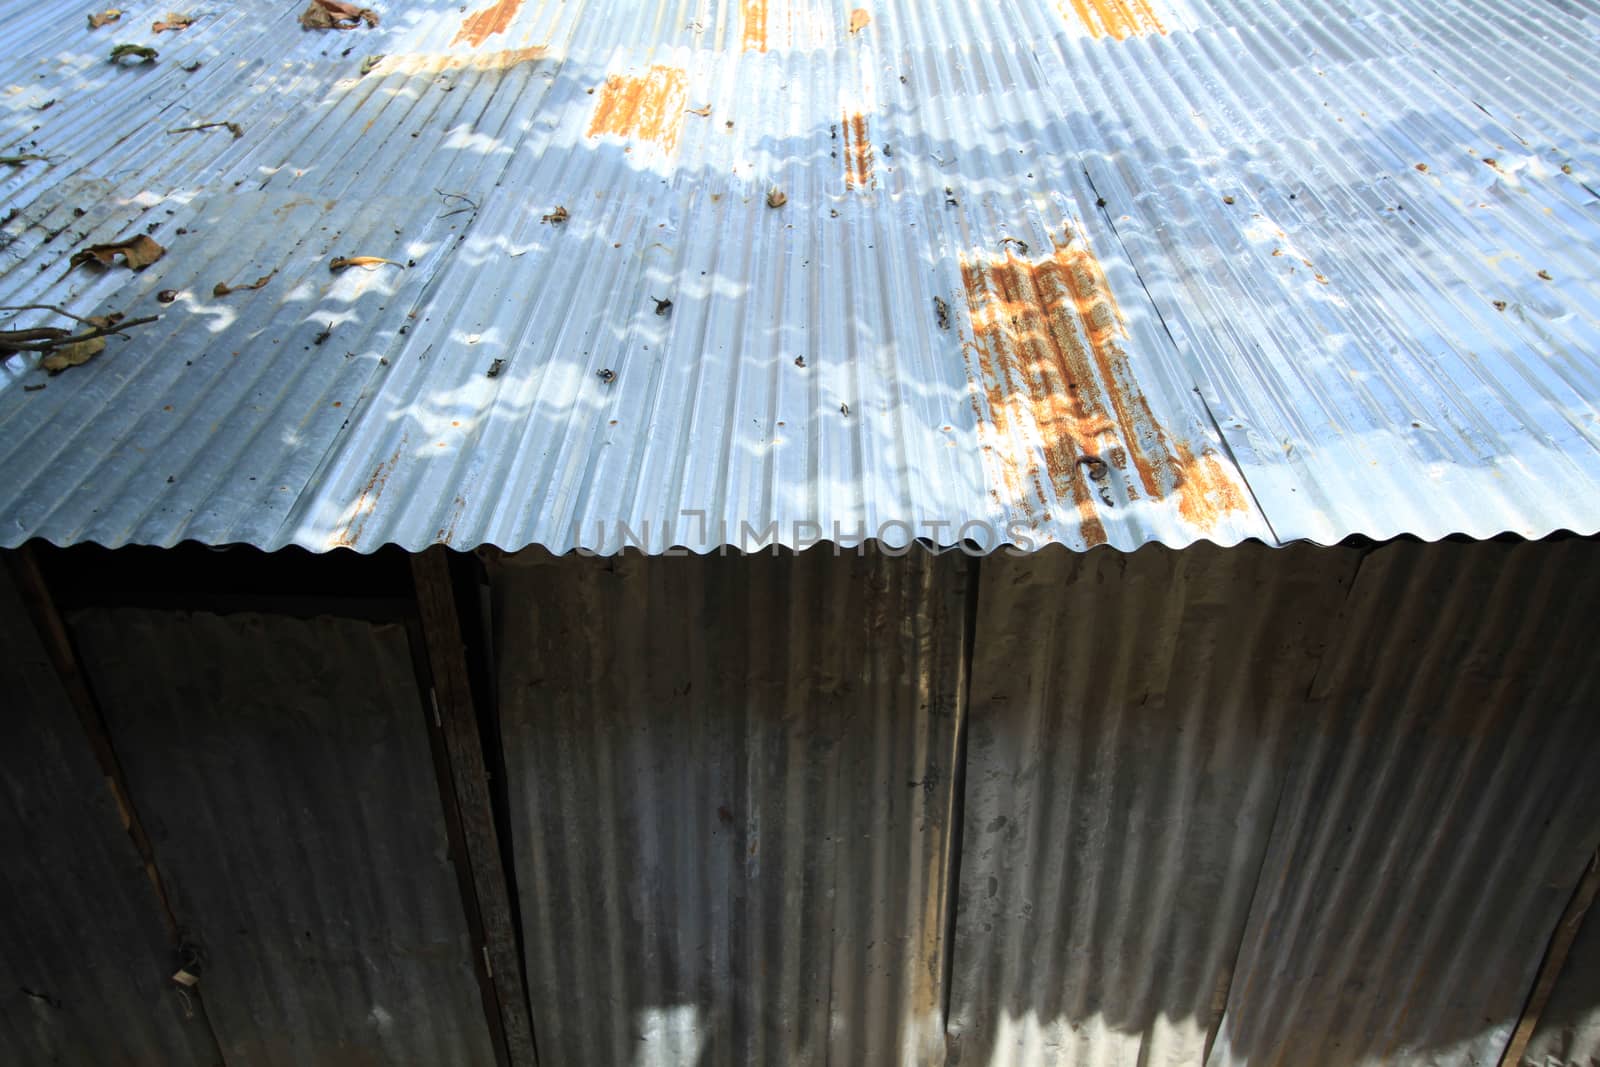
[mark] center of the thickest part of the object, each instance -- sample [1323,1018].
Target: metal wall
[1230,807]
[1131,724]
[282,769]
[1569,1028]
[732,782]
[84,954]
[1234,806]
[1440,808]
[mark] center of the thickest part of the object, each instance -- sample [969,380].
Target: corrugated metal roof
[1086,273]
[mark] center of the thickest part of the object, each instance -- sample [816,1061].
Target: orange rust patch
[441,62]
[754,17]
[857,153]
[481,25]
[1119,19]
[649,107]
[367,502]
[859,19]
[1063,403]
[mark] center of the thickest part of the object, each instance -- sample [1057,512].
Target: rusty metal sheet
[85,960]
[282,769]
[731,783]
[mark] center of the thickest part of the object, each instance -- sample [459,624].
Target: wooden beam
[1555,957]
[452,698]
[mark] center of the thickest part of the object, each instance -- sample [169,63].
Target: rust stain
[859,19]
[481,25]
[442,62]
[447,532]
[649,107]
[1118,19]
[857,153]
[754,16]
[367,502]
[1063,404]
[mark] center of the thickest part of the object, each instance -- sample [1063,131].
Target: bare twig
[232,127]
[471,204]
[48,338]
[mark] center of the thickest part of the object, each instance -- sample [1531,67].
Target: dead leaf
[776,198]
[17,161]
[73,355]
[339,263]
[336,15]
[138,252]
[370,64]
[859,19]
[222,289]
[135,51]
[105,18]
[703,112]
[173,21]
[556,217]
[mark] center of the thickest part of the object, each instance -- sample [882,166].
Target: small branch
[232,127]
[49,338]
[63,312]
[472,205]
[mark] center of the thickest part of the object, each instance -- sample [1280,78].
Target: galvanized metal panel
[731,784]
[84,955]
[1147,370]
[1440,810]
[1360,261]
[1569,1027]
[1130,732]
[283,772]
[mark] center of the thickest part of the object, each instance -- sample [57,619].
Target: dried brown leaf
[73,355]
[336,15]
[173,21]
[339,263]
[105,18]
[859,19]
[222,289]
[556,217]
[703,112]
[138,252]
[133,51]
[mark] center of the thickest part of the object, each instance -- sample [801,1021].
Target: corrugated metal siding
[84,956]
[282,769]
[1569,1027]
[1131,724]
[731,786]
[1441,807]
[1262,802]
[1393,397]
